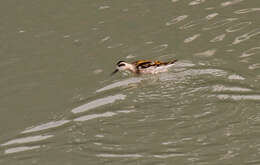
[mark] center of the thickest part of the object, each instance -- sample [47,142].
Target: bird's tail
[173,61]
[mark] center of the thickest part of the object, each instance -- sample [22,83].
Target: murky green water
[59,105]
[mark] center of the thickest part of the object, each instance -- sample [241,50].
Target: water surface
[60,106]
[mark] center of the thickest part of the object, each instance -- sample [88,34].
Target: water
[59,105]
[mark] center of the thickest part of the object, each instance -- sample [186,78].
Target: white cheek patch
[126,67]
[121,68]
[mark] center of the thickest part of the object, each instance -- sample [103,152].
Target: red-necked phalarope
[143,66]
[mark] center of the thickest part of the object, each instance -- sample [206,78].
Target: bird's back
[148,63]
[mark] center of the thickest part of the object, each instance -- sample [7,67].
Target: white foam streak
[194,72]
[214,72]
[246,36]
[191,24]
[94,116]
[27,139]
[238,27]
[219,23]
[254,66]
[120,83]
[192,38]
[120,155]
[239,97]
[196,2]
[249,10]
[52,124]
[232,2]
[211,16]
[235,77]
[20,149]
[207,53]
[251,52]
[176,20]
[218,38]
[222,88]
[98,103]
[163,156]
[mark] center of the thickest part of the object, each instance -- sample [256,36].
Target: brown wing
[147,63]
[142,63]
[159,63]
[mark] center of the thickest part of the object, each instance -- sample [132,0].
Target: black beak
[114,72]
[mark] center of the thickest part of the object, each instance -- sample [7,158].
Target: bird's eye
[121,65]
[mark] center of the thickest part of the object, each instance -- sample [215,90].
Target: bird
[143,66]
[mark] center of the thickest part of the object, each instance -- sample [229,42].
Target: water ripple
[219,23]
[20,149]
[249,10]
[105,39]
[238,97]
[115,46]
[103,7]
[250,52]
[163,156]
[238,26]
[218,38]
[196,2]
[211,16]
[180,76]
[232,2]
[94,116]
[120,155]
[222,88]
[193,23]
[27,139]
[214,72]
[52,124]
[192,38]
[160,48]
[176,20]
[246,36]
[207,53]
[98,103]
[254,66]
[120,84]
[235,77]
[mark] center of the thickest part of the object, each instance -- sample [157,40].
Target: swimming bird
[143,66]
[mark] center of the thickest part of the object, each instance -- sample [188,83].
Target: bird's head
[123,66]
